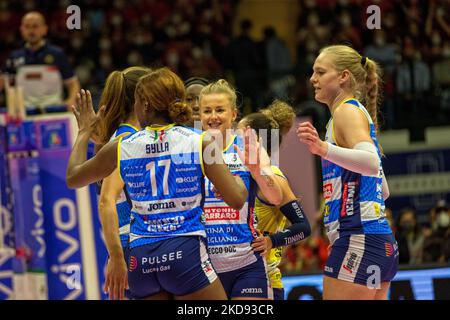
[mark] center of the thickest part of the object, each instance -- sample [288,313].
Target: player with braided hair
[364,254]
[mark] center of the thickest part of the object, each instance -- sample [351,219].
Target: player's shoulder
[187,129]
[187,132]
[277,171]
[132,137]
[349,111]
[17,53]
[54,49]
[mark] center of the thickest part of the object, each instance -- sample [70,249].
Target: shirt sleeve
[64,66]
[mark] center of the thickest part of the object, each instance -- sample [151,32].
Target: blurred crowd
[420,241]
[194,38]
[412,46]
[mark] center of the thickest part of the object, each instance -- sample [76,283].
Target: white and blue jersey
[163,175]
[354,202]
[230,232]
[122,205]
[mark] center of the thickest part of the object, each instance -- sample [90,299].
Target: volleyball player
[242,270]
[364,254]
[162,167]
[272,219]
[118,120]
[193,87]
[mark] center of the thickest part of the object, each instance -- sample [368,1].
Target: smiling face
[325,79]
[217,112]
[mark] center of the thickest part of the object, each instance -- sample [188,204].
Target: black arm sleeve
[299,230]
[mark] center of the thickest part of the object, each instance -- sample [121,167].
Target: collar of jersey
[345,101]
[128,125]
[229,145]
[160,128]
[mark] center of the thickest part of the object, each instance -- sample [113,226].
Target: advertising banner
[419,284]
[417,179]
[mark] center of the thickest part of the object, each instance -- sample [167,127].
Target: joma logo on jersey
[161,206]
[157,147]
[252,290]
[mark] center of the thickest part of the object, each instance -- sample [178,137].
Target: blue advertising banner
[30,261]
[417,179]
[76,254]
[6,273]
[6,201]
[64,258]
[101,252]
[422,284]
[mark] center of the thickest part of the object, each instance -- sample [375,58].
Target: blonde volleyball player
[364,254]
[272,219]
[242,270]
[118,120]
[163,168]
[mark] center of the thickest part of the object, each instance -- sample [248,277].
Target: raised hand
[84,112]
[309,136]
[254,157]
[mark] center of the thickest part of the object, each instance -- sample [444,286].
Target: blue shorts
[368,260]
[179,266]
[250,281]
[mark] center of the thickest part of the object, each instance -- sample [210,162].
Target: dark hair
[196,80]
[164,91]
[270,32]
[278,115]
[118,97]
[246,25]
[399,218]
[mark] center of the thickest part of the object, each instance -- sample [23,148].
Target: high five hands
[86,117]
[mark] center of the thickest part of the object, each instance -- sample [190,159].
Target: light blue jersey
[163,175]
[354,202]
[122,206]
[230,232]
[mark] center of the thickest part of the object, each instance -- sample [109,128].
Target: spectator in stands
[436,246]
[413,86]
[41,68]
[245,61]
[386,54]
[409,237]
[278,64]
[441,79]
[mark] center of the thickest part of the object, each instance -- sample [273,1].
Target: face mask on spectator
[443,219]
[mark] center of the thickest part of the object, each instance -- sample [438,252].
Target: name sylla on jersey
[157,147]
